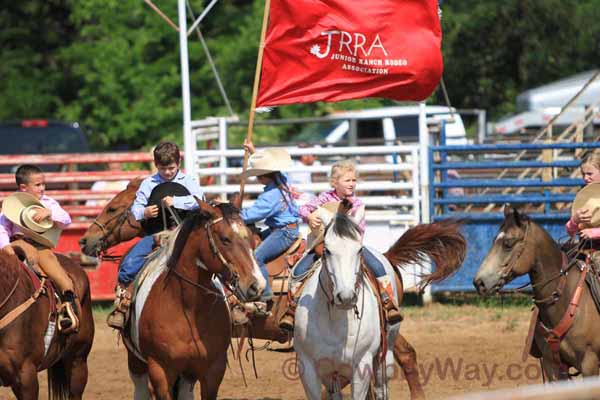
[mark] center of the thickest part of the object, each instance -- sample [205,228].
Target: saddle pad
[153,268]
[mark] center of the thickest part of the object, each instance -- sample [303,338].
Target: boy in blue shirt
[167,161]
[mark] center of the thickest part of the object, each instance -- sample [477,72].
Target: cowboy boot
[237,312]
[68,320]
[118,317]
[386,292]
[286,323]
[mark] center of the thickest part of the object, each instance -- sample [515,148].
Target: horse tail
[441,242]
[58,382]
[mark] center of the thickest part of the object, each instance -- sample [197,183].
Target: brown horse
[523,247]
[114,225]
[183,328]
[22,346]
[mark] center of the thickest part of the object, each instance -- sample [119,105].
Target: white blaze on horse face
[240,229]
[343,263]
[257,274]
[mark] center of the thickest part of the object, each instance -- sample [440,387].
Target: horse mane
[345,227]
[441,241]
[182,233]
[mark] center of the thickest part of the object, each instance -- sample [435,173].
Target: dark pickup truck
[41,137]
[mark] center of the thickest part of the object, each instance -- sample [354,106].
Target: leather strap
[529,340]
[21,308]
[554,336]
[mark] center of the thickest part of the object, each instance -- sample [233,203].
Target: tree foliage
[113,65]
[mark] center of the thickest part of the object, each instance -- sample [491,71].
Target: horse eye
[225,240]
[509,243]
[111,209]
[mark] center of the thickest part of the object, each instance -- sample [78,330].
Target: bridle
[121,219]
[507,269]
[357,281]
[230,278]
[507,273]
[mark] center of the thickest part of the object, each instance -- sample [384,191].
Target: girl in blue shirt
[275,205]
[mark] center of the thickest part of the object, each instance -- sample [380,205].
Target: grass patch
[498,301]
[102,308]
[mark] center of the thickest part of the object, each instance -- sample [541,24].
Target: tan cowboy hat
[588,198]
[316,236]
[19,208]
[266,161]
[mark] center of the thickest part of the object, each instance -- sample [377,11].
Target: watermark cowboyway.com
[455,369]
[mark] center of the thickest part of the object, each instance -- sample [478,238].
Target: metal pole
[424,179]
[189,142]
[223,158]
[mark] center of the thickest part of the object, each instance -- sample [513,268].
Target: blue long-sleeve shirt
[180,202]
[273,208]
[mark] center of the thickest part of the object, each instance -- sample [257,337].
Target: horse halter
[232,277]
[121,218]
[507,268]
[330,276]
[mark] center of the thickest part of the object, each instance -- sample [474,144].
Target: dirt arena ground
[460,349]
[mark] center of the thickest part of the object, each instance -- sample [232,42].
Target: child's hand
[586,233]
[151,212]
[41,214]
[249,146]
[582,216]
[168,201]
[9,250]
[314,221]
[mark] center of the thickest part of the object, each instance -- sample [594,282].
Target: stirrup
[116,319]
[238,315]
[257,309]
[67,319]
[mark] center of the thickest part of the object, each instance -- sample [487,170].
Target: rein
[121,219]
[231,283]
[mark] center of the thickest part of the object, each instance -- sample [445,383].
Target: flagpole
[261,47]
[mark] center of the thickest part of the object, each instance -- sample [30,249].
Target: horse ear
[236,200]
[206,208]
[325,215]
[359,215]
[344,207]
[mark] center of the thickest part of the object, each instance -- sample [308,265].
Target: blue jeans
[273,245]
[371,261]
[134,260]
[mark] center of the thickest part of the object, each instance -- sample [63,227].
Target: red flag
[332,50]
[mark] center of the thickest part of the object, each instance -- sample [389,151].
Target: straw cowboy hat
[266,161]
[588,198]
[20,208]
[326,212]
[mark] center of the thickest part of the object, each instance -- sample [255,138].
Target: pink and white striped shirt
[327,197]
[59,216]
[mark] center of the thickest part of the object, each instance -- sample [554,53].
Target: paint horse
[566,331]
[181,327]
[339,332]
[28,341]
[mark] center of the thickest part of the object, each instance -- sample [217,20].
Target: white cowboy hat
[266,161]
[19,208]
[588,198]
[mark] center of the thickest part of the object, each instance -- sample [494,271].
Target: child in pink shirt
[590,170]
[343,181]
[30,179]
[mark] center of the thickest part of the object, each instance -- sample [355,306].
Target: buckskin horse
[338,334]
[566,329]
[181,326]
[116,224]
[23,341]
